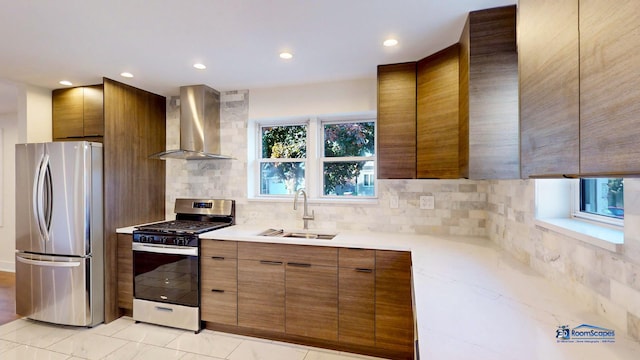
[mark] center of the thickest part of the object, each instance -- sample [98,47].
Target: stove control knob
[142,238]
[163,240]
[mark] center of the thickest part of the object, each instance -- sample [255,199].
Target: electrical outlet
[393,201]
[427,202]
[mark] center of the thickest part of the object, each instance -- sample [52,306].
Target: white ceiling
[158,41]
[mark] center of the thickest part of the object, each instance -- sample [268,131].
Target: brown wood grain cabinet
[312,300]
[396,122]
[548,59]
[356,296]
[609,91]
[78,113]
[394,314]
[219,281]
[125,272]
[489,121]
[438,115]
[356,300]
[261,286]
[464,122]
[134,185]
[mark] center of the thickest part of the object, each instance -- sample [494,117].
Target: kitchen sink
[297,234]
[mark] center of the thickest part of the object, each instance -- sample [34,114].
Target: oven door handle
[166,249]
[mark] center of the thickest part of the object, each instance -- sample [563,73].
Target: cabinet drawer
[219,248]
[262,251]
[357,258]
[218,274]
[220,307]
[315,255]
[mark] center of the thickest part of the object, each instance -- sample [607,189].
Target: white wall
[34,114]
[8,124]
[321,98]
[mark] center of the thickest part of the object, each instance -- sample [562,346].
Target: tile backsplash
[459,204]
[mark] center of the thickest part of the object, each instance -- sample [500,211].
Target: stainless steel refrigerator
[59,233]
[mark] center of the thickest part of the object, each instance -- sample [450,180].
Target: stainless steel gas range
[166,263]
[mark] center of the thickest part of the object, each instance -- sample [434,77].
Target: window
[601,199]
[348,158]
[283,156]
[329,156]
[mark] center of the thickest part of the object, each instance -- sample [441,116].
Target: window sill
[332,201]
[600,236]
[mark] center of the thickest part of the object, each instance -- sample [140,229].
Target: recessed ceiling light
[286,55]
[390,42]
[199,66]
[126,74]
[65,83]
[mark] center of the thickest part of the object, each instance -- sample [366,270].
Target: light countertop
[473,300]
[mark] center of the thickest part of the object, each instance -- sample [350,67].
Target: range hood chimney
[199,125]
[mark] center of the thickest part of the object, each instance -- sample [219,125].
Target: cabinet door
[394,315]
[492,136]
[609,91]
[219,282]
[548,58]
[67,113]
[93,114]
[125,271]
[312,301]
[397,121]
[261,294]
[437,115]
[356,306]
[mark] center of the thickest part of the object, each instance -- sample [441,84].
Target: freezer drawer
[61,290]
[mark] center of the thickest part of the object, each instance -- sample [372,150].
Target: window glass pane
[349,139]
[280,178]
[602,196]
[349,178]
[284,142]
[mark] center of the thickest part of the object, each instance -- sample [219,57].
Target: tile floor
[123,339]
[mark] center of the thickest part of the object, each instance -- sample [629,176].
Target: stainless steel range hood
[199,125]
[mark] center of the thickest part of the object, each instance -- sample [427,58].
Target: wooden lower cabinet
[312,301]
[125,272]
[261,294]
[347,299]
[219,282]
[394,312]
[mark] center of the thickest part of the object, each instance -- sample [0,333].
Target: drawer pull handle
[267,262]
[217,257]
[364,270]
[299,264]
[162,308]
[217,290]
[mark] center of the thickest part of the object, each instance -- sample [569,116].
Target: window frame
[578,214]
[314,160]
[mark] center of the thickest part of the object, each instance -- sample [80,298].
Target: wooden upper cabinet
[93,111]
[609,91]
[68,113]
[489,124]
[548,49]
[438,115]
[397,121]
[78,112]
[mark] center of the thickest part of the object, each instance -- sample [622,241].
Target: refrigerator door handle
[49,263]
[38,197]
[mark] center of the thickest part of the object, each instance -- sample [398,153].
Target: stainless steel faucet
[305,216]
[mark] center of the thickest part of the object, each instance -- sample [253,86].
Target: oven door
[167,274]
